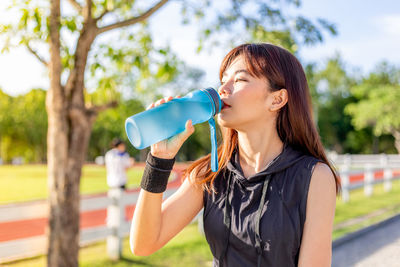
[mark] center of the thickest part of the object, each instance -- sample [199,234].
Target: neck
[257,148]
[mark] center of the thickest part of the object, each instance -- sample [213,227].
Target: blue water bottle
[166,120]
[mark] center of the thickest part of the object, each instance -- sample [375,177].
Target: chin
[224,123]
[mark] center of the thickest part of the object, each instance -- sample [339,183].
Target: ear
[279,99]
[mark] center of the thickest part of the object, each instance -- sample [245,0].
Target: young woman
[272,201]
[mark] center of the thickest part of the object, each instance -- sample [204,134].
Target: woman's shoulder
[322,179]
[320,171]
[305,163]
[299,175]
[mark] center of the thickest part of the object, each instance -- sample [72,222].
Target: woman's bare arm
[155,222]
[316,245]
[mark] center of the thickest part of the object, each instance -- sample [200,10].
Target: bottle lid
[218,104]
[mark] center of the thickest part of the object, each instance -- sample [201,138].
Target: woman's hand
[168,148]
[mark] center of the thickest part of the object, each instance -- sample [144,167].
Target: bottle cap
[218,104]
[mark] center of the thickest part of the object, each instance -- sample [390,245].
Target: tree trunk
[69,128]
[375,145]
[68,139]
[396,135]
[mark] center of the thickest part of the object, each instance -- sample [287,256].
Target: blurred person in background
[117,162]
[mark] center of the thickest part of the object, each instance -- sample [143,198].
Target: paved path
[378,246]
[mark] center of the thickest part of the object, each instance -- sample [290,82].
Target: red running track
[36,227]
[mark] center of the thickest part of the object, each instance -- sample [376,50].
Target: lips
[226,105]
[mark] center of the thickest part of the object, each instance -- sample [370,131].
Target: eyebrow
[236,72]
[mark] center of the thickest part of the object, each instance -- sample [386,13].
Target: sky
[368,33]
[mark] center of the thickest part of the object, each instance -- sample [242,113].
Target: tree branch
[56,91]
[133,20]
[36,54]
[87,11]
[78,115]
[75,81]
[76,5]
[99,108]
[93,112]
[102,15]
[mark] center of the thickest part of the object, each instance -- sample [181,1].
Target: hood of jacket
[288,157]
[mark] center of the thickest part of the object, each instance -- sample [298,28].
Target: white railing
[113,229]
[368,165]
[358,161]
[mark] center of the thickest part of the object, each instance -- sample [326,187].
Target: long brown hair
[294,122]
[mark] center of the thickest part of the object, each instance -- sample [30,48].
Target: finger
[189,126]
[189,129]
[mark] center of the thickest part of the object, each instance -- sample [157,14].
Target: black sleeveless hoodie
[258,221]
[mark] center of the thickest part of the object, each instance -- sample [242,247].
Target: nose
[224,89]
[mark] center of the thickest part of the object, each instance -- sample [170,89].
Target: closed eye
[240,80]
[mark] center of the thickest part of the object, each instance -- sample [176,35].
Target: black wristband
[156,174]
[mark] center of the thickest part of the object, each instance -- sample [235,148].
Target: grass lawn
[360,205]
[29,182]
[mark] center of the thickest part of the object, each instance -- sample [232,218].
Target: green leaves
[379,95]
[273,15]
[111,124]
[133,67]
[23,124]
[281,38]
[38,19]
[29,27]
[256,21]
[23,22]
[72,23]
[309,32]
[329,88]
[125,63]
[337,80]
[328,26]
[132,50]
[356,115]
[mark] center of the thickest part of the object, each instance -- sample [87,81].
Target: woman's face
[248,97]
